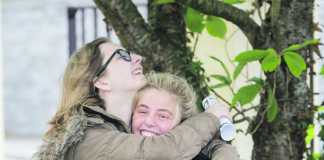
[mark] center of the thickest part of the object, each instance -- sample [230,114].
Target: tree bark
[162,41]
[168,20]
[283,139]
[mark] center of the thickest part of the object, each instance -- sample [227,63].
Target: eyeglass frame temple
[97,75]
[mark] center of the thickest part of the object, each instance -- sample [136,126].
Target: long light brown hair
[78,88]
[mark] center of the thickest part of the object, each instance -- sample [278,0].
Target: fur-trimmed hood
[54,148]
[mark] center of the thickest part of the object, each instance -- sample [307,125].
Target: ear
[102,85]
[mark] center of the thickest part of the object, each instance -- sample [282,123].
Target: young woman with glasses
[92,121]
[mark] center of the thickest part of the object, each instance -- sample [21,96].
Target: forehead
[108,48]
[158,99]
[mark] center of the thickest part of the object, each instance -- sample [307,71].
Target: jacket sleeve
[183,142]
[220,150]
[225,152]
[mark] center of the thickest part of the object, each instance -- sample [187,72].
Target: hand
[227,129]
[212,105]
[219,111]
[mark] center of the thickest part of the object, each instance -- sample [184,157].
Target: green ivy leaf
[312,42]
[293,47]
[238,70]
[295,62]
[220,85]
[316,155]
[216,26]
[322,70]
[272,107]
[320,109]
[223,66]
[194,20]
[163,1]
[221,78]
[271,61]
[246,94]
[309,134]
[248,56]
[257,80]
[233,1]
[306,43]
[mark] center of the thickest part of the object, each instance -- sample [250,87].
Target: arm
[220,150]
[183,142]
[216,148]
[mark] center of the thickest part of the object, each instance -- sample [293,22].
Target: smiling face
[120,74]
[156,112]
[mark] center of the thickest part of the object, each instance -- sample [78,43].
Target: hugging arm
[217,149]
[183,142]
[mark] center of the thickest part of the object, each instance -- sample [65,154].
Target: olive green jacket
[96,135]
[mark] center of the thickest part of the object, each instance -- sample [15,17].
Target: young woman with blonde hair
[92,120]
[165,101]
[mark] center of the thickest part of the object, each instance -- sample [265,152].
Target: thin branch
[258,6]
[196,42]
[239,120]
[245,110]
[226,47]
[233,14]
[259,123]
[237,110]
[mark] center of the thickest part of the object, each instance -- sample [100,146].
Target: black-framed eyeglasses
[124,54]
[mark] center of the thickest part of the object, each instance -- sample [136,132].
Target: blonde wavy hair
[78,88]
[175,85]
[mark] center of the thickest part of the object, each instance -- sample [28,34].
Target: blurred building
[36,47]
[37,38]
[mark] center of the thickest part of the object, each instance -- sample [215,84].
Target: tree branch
[235,15]
[234,107]
[129,25]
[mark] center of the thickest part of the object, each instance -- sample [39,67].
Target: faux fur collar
[54,148]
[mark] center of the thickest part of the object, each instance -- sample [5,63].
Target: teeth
[137,71]
[147,133]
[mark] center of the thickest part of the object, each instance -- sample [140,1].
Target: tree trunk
[163,42]
[283,139]
[168,20]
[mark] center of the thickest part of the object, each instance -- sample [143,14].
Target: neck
[119,104]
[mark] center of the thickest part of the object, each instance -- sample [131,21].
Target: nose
[136,58]
[149,121]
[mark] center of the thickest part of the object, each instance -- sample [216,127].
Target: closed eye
[164,116]
[141,111]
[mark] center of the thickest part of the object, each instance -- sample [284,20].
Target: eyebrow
[162,110]
[165,110]
[142,105]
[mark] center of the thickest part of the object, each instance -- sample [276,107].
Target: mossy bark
[168,20]
[283,139]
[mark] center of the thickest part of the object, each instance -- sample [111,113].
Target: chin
[141,82]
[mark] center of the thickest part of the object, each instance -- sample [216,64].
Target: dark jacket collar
[92,113]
